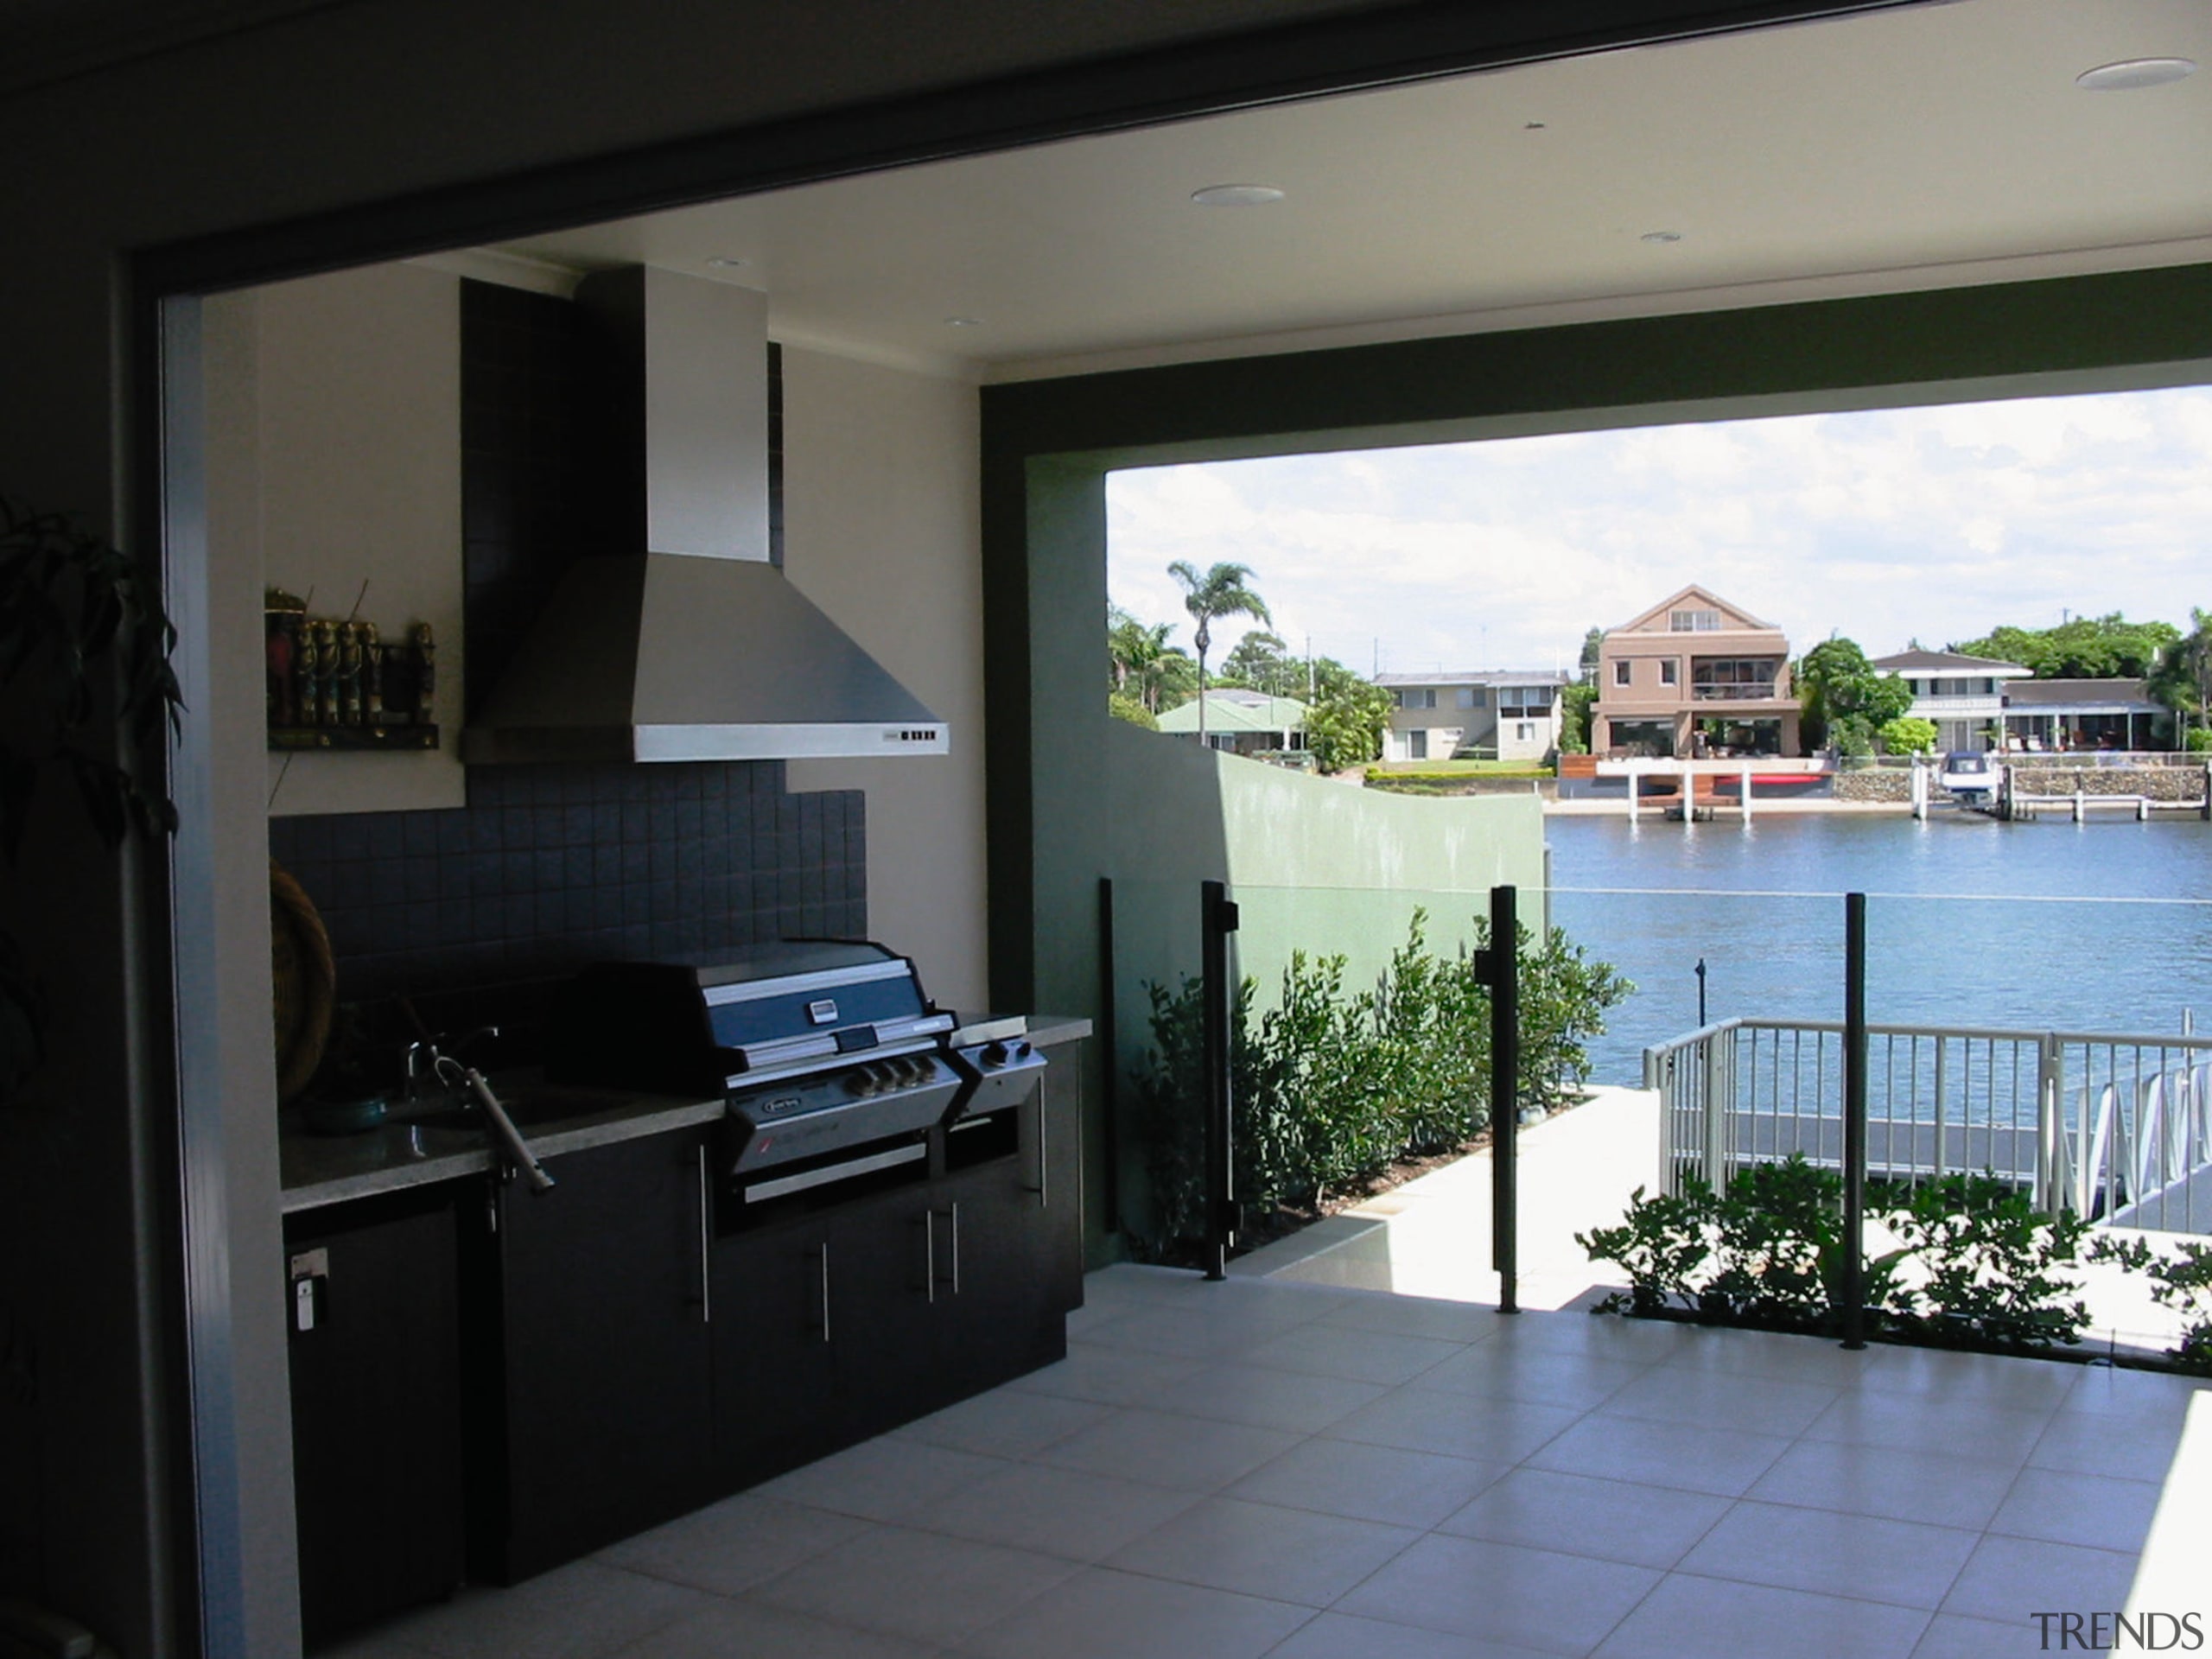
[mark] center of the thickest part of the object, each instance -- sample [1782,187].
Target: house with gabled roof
[1963,695]
[1695,675]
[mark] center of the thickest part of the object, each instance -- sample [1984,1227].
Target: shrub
[1990,1263]
[2181,1277]
[1328,1087]
[1976,1261]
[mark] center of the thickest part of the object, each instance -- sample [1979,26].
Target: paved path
[1431,1237]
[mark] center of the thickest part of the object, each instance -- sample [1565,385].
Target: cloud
[1883,525]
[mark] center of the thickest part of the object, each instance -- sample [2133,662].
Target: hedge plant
[1331,1085]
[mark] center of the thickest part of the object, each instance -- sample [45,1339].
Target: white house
[1493,714]
[1964,695]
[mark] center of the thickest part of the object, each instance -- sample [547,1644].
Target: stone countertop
[417,1146]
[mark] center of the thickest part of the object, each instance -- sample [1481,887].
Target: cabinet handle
[929,1256]
[706,1275]
[824,1254]
[956,1247]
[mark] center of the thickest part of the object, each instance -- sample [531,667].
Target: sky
[1884,527]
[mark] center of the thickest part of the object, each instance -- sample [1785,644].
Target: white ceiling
[1911,148]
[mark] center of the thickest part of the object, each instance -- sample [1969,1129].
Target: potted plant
[84,658]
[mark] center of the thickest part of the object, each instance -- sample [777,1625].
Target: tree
[1128,709]
[1145,669]
[1262,661]
[1907,734]
[1221,591]
[2082,648]
[1343,727]
[1575,702]
[1845,701]
[1593,645]
[2182,680]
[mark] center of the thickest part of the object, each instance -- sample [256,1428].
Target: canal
[2051,926]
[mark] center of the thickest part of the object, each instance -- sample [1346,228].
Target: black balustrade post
[1109,1040]
[1499,967]
[1219,921]
[1854,1120]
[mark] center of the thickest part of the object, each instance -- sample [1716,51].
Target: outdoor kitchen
[618,1172]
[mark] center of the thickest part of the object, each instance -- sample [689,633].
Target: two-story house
[1694,675]
[1963,695]
[1491,713]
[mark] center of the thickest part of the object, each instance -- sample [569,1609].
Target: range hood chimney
[687,644]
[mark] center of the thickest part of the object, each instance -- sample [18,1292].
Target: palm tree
[1220,592]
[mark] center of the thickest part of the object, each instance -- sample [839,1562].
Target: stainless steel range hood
[689,645]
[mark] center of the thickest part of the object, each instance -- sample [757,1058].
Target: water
[1959,928]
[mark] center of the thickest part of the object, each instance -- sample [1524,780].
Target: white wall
[358,430]
[881,529]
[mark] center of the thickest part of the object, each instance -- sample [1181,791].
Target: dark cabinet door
[376,1407]
[888,1353]
[608,1371]
[782,1303]
[994,1319]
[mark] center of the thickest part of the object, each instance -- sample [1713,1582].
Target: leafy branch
[84,659]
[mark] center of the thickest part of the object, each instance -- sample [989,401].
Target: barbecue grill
[833,1061]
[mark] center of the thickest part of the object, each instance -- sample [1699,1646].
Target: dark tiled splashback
[547,867]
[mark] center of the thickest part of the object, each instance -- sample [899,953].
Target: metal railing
[2117,1127]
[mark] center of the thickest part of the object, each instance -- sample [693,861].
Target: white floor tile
[2071,1508]
[1260,1549]
[1064,1512]
[1370,1482]
[729,1547]
[882,1478]
[1005,1423]
[1757,1405]
[1102,1614]
[1114,1376]
[2084,1443]
[1418,1316]
[1189,1453]
[1455,1425]
[917,1585]
[1575,1515]
[1942,1490]
[1511,1370]
[1862,1556]
[1714,1620]
[1950,1636]
[1500,1593]
[1954,1420]
[1339,1636]
[1264,1395]
[2007,1578]
[1363,1356]
[1662,1454]
[750,1630]
[584,1611]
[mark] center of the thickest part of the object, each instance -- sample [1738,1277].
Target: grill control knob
[856,1082]
[995,1054]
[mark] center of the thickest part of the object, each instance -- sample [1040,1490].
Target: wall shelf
[290,738]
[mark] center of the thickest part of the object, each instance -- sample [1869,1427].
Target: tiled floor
[1312,1472]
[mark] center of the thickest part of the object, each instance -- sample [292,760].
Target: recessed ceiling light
[1236,195]
[725,262]
[1661,235]
[2132,74]
[963,322]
